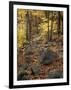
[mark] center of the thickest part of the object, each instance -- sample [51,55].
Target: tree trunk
[28,27]
[51,27]
[47,16]
[58,30]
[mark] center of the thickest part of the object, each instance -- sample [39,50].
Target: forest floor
[41,61]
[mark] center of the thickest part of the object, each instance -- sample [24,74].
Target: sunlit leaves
[21,27]
[40,22]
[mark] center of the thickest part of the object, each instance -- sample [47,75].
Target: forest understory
[40,45]
[41,62]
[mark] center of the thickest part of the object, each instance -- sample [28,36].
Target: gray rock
[23,77]
[53,75]
[47,56]
[23,68]
[35,69]
[23,72]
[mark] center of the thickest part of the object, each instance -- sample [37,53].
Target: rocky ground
[40,61]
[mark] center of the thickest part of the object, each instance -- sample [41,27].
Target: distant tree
[28,26]
[58,19]
[47,16]
[61,18]
[51,26]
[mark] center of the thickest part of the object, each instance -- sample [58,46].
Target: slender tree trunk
[62,23]
[58,30]
[36,24]
[28,27]
[51,27]
[48,27]
[47,16]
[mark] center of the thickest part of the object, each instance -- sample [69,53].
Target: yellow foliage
[42,26]
[21,29]
[38,13]
[21,12]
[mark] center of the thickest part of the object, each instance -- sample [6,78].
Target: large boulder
[47,56]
